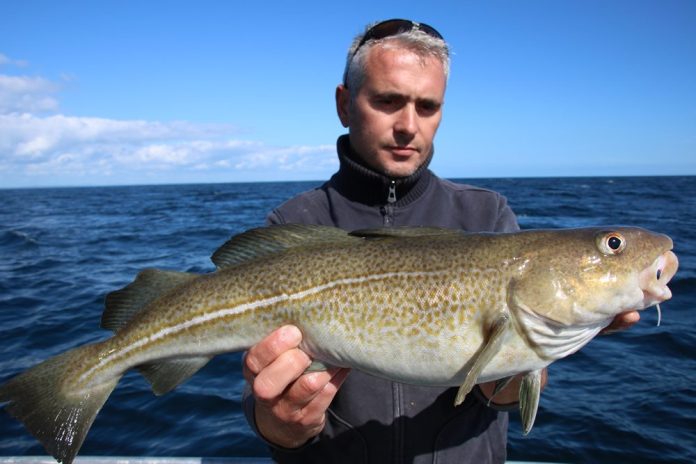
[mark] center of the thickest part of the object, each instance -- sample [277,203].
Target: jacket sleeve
[507,221]
[274,217]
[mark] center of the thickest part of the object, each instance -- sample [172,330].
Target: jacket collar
[359,182]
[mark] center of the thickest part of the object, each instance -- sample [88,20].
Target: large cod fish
[422,306]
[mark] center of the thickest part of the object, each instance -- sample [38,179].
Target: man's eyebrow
[389,94]
[400,96]
[430,101]
[429,104]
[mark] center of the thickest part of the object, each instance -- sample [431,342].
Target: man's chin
[396,169]
[395,166]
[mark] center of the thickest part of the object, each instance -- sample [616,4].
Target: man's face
[394,116]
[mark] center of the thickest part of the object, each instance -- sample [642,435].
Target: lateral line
[242,308]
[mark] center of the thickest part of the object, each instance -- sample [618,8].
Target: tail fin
[58,417]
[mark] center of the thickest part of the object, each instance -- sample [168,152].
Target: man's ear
[343,104]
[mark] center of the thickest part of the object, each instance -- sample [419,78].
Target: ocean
[626,397]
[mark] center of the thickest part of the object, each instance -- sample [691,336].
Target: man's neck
[362,183]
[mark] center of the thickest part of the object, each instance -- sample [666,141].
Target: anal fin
[165,376]
[484,356]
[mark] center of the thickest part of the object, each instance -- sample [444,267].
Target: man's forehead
[395,52]
[402,71]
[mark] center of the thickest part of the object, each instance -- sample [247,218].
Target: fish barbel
[415,305]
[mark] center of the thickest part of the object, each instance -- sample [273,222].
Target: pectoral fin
[484,356]
[530,390]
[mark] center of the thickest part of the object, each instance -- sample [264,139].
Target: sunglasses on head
[395,26]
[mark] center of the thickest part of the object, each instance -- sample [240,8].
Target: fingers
[314,392]
[622,321]
[291,420]
[273,363]
[306,400]
[270,348]
[274,379]
[276,366]
[290,405]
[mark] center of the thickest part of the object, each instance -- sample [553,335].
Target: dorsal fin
[264,241]
[121,305]
[401,232]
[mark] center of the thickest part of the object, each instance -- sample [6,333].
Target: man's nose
[407,120]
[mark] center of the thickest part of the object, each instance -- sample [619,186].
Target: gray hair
[416,41]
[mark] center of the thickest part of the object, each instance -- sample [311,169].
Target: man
[391,102]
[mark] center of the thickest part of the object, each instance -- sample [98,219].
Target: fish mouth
[654,279]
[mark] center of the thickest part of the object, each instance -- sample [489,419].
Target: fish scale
[422,306]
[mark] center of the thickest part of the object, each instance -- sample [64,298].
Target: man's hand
[511,393]
[290,405]
[622,321]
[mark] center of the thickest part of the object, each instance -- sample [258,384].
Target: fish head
[587,276]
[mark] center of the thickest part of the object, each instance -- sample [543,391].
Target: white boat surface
[160,460]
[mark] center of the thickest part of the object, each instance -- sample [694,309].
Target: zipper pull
[391,198]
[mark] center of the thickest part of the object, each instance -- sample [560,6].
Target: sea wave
[626,397]
[10,238]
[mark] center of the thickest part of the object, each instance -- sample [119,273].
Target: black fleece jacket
[375,420]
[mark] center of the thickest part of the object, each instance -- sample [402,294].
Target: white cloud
[29,136]
[290,158]
[39,146]
[27,94]
[6,60]
[59,144]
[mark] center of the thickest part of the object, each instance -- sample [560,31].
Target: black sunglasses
[395,26]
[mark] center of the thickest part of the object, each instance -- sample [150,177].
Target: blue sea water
[627,397]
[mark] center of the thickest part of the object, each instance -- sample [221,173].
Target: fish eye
[612,243]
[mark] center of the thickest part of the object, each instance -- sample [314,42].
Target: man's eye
[428,107]
[386,103]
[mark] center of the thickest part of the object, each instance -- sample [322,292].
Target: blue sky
[132,92]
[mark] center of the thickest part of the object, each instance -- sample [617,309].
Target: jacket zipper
[391,196]
[396,388]
[388,209]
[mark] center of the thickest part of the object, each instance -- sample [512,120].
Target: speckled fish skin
[421,306]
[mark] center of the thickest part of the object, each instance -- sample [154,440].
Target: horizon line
[321,181]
